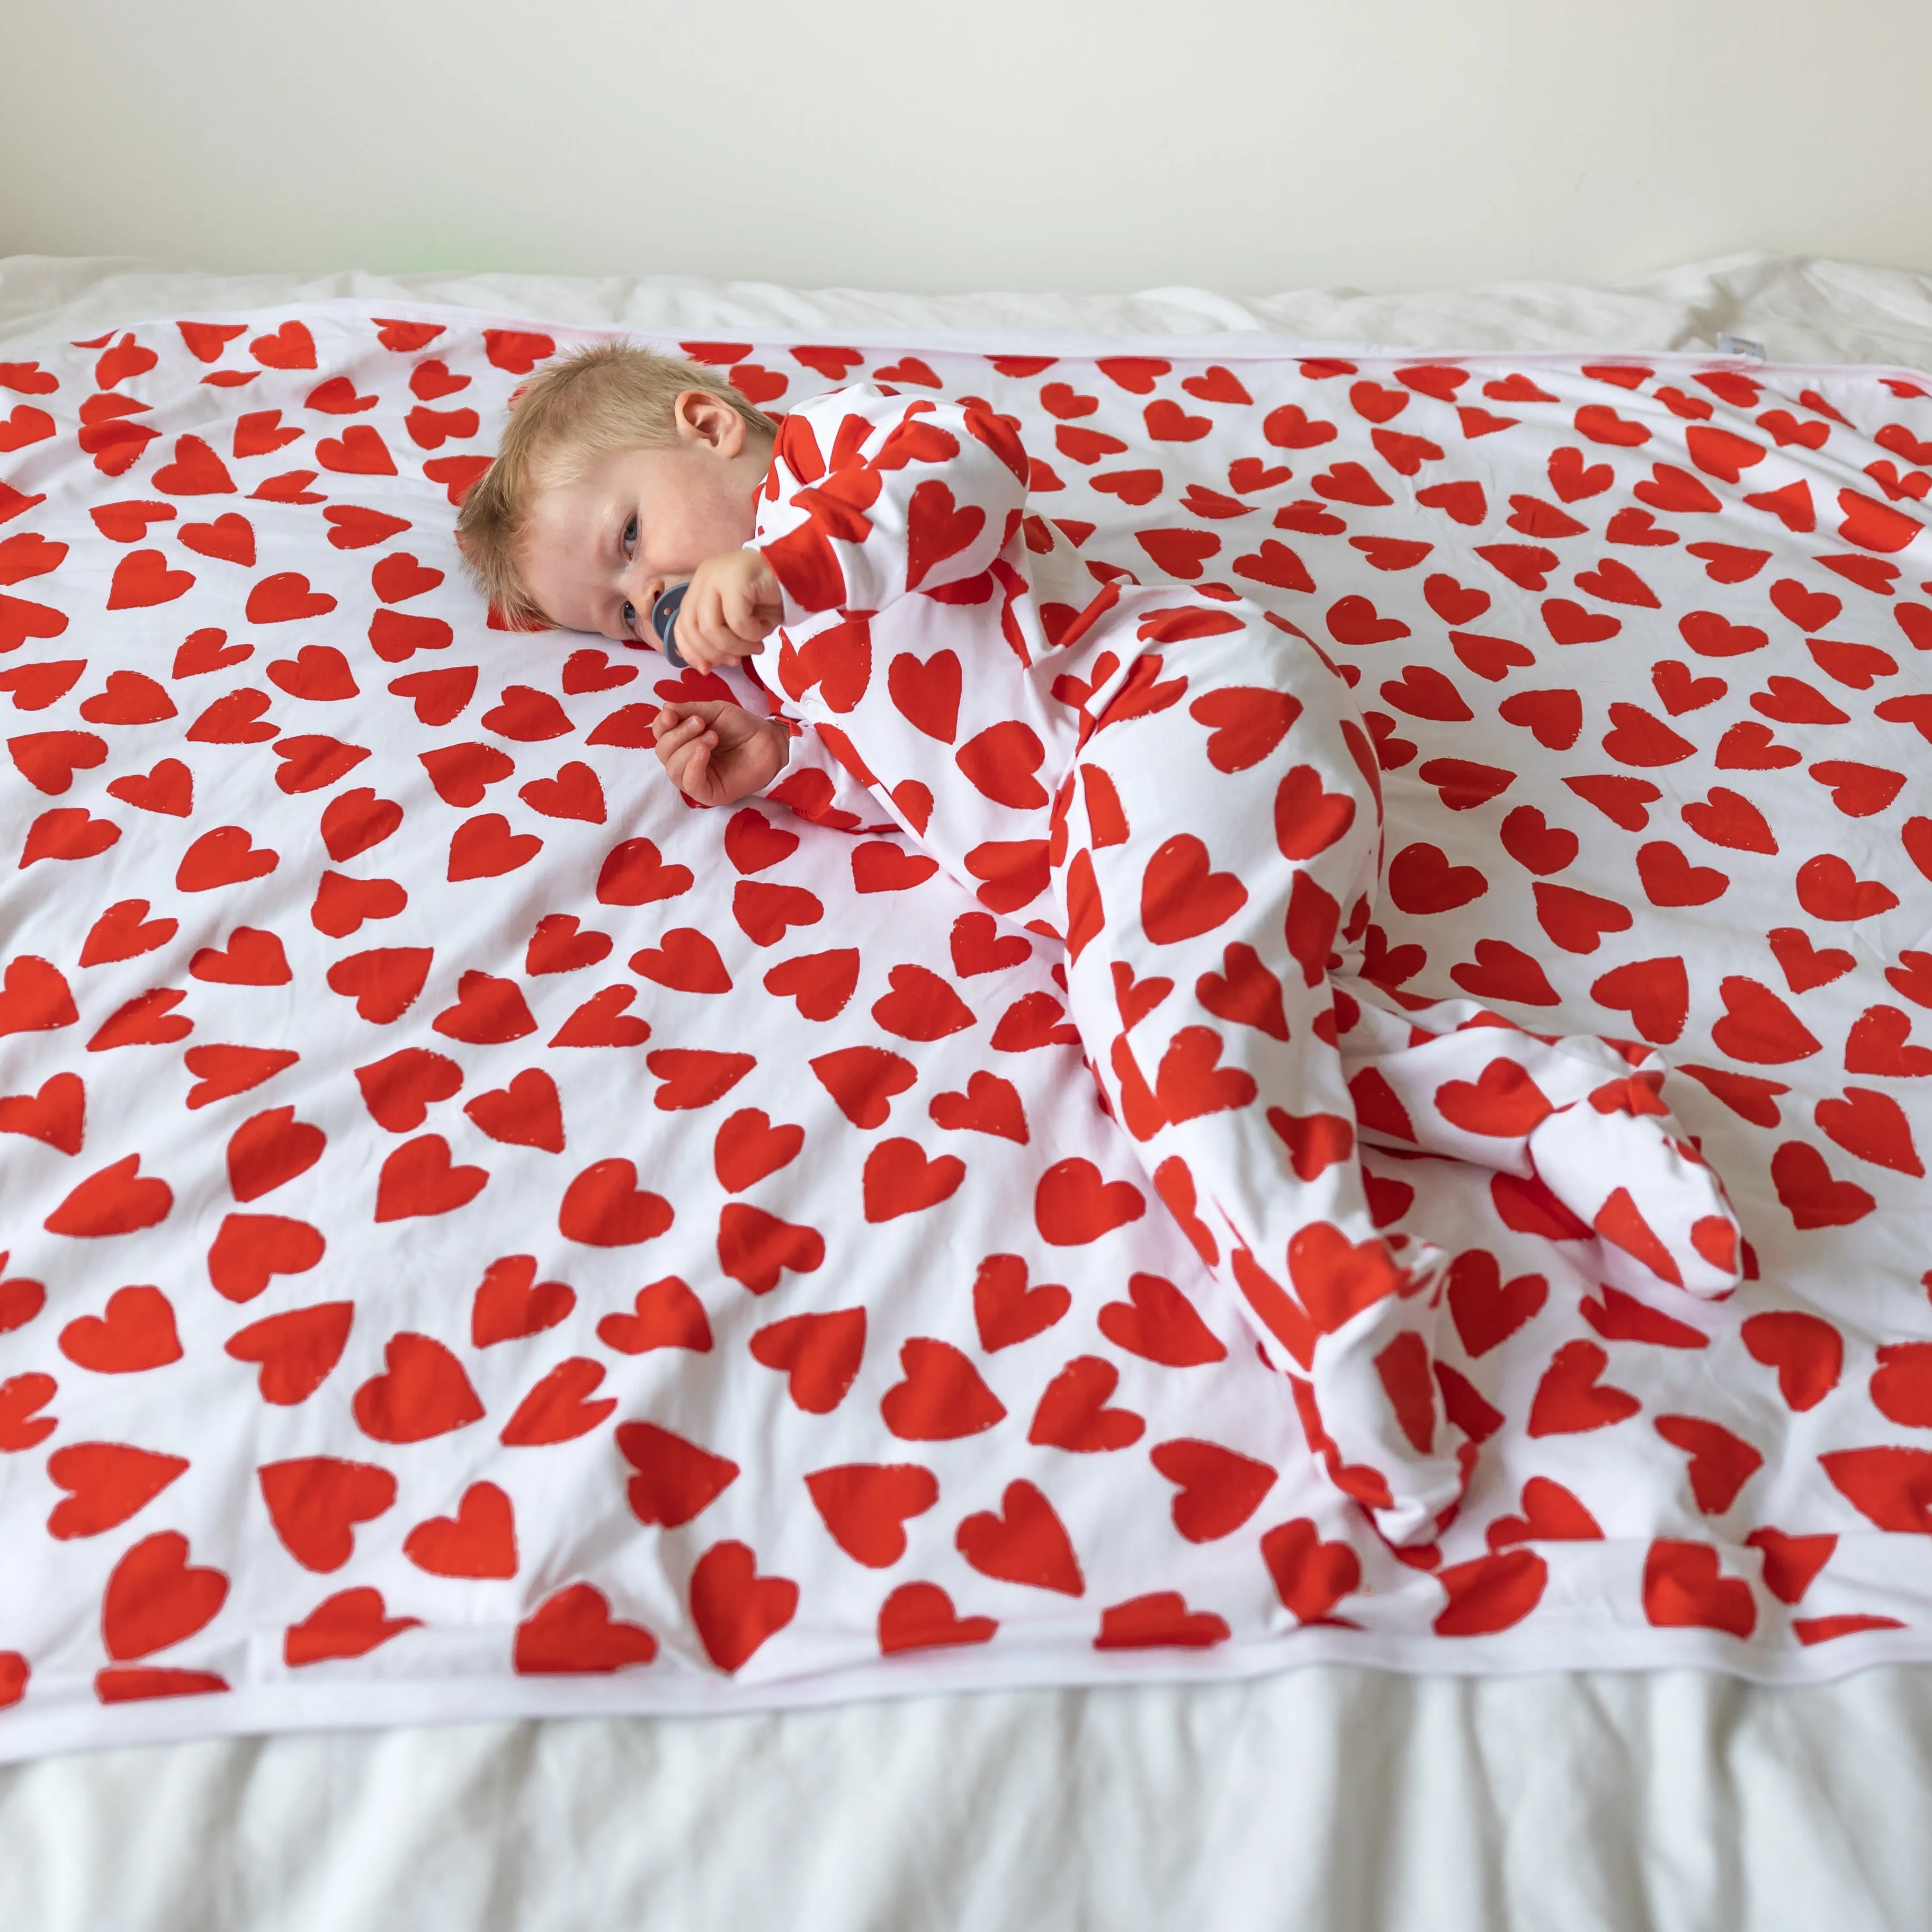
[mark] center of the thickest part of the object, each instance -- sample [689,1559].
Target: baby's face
[597,552]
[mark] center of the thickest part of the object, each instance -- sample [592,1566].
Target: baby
[1167,783]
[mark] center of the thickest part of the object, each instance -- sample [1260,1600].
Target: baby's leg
[1213,844]
[1575,1119]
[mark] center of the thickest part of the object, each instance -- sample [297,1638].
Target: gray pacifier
[663,618]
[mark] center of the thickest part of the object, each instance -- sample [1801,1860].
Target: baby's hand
[733,602]
[716,752]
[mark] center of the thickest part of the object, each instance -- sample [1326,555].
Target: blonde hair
[609,397]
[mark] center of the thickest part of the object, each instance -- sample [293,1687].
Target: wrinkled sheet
[1662,1699]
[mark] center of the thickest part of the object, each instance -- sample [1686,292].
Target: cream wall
[1088,145]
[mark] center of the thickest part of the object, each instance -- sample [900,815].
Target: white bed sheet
[1325,1798]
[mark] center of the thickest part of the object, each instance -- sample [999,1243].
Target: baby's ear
[462,548]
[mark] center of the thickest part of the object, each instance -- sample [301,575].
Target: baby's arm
[873,497]
[716,752]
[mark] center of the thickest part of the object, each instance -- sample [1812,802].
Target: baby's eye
[630,616]
[630,536]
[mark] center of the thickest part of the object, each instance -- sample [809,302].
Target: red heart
[1877,1044]
[34,995]
[1656,993]
[1872,1126]
[384,983]
[1503,1100]
[920,1616]
[1219,1490]
[318,672]
[127,523]
[20,1396]
[666,1315]
[1721,1463]
[1554,718]
[695,1077]
[248,1249]
[604,1207]
[822,983]
[169,788]
[557,1409]
[1336,1278]
[676,1480]
[575,792]
[1071,1413]
[753,1246]
[226,856]
[1683,1586]
[573,1631]
[1490,1594]
[1137,486]
[123,932]
[142,1021]
[821,1355]
[46,760]
[1550,1513]
[1891,1487]
[898,1179]
[1160,1620]
[106,1483]
[1637,737]
[865,1505]
[137,1333]
[527,1113]
[461,773]
[1310,1577]
[942,1396]
[1190,1083]
[510,1303]
[1072,1205]
[270,1148]
[926,692]
[1669,879]
[285,597]
[1570,1400]
[153,1598]
[142,579]
[1859,791]
[316,1501]
[231,538]
[765,913]
[485,848]
[235,719]
[437,696]
[1422,880]
[422,1392]
[1006,1311]
[1487,1311]
[1901,1387]
[357,452]
[355,820]
[592,671]
[55,1115]
[735,1609]
[1245,993]
[1024,1543]
[419,1178]
[1758,1028]
[1158,1323]
[1828,889]
[1536,845]
[68,833]
[557,945]
[297,1350]
[749,1148]
[1033,1020]
[487,1012]
[352,1623]
[117,1200]
[1791,1562]
[1181,897]
[989,1105]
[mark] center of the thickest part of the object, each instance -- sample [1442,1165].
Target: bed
[1419,1801]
